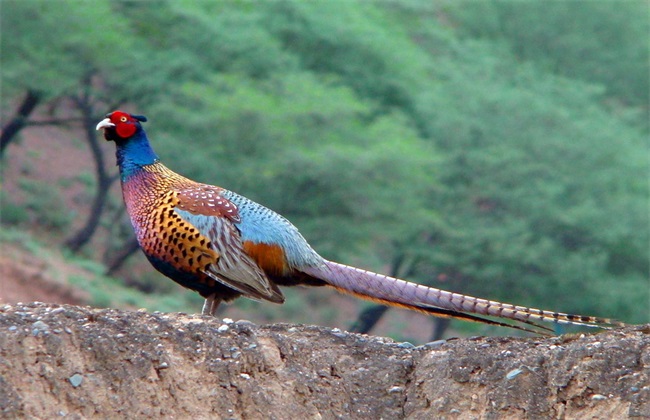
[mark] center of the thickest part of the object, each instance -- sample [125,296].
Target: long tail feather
[447,313]
[395,292]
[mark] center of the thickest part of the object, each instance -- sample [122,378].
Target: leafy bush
[45,203]
[10,212]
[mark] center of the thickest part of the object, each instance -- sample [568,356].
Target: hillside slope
[64,360]
[27,277]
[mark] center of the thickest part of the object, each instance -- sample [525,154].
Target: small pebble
[40,327]
[513,373]
[76,380]
[406,345]
[245,375]
[432,345]
[223,328]
[228,321]
[598,397]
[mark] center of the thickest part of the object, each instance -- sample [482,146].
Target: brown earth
[26,278]
[77,362]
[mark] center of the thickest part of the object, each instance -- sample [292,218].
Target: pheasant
[223,245]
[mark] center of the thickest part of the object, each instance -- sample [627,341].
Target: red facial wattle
[125,129]
[125,125]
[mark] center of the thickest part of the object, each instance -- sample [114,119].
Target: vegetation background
[495,148]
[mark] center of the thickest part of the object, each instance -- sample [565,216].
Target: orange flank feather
[269,257]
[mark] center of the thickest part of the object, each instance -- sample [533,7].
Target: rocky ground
[64,361]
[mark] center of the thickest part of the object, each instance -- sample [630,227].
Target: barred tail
[395,292]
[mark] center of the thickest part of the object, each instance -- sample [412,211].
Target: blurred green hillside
[495,148]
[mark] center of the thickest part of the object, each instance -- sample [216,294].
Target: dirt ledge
[62,361]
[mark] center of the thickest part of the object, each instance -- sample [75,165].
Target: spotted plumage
[223,245]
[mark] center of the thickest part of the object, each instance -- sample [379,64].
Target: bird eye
[123,119]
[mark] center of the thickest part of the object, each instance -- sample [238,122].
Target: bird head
[120,126]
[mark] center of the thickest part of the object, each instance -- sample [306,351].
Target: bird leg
[211,304]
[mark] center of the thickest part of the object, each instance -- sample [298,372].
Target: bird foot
[210,305]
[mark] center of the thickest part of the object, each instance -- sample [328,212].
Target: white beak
[105,123]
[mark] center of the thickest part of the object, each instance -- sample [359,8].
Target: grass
[10,212]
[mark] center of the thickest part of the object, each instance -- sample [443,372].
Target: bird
[224,246]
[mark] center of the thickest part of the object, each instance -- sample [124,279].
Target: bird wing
[214,217]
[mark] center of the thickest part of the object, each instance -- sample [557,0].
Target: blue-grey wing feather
[262,225]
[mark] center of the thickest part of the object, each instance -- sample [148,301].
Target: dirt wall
[62,361]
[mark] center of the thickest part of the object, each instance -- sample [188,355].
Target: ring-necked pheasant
[223,245]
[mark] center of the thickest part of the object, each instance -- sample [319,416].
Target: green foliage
[602,42]
[45,205]
[11,213]
[54,44]
[108,292]
[536,182]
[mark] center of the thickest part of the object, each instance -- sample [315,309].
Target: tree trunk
[121,256]
[104,181]
[440,325]
[367,319]
[13,127]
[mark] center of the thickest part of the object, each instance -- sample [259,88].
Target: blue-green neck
[133,154]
